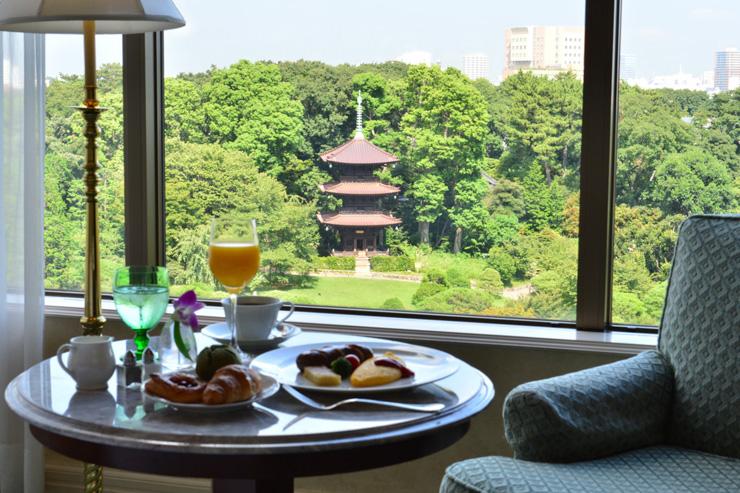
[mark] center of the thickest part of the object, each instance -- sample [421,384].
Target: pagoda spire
[358,133]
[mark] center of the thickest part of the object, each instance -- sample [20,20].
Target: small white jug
[91,362]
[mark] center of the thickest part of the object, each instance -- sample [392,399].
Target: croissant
[232,383]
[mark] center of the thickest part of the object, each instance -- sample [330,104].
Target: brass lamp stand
[93,320]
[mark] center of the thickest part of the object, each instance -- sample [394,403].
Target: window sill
[494,334]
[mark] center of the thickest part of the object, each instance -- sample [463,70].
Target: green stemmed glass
[141,294]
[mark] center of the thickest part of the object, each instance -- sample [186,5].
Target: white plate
[220,332]
[429,365]
[269,387]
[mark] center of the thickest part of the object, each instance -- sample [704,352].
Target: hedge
[334,263]
[391,264]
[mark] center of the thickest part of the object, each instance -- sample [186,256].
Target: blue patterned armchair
[662,421]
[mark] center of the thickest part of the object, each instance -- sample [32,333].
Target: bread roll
[232,383]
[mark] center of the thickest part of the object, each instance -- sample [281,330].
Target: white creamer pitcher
[90,363]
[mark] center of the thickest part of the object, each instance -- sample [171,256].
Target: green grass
[348,291]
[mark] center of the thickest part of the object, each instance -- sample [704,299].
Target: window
[679,152]
[64,221]
[463,196]
[277,179]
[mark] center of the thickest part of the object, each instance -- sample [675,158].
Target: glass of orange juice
[234,257]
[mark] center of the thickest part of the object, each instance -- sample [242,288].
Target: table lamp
[89,17]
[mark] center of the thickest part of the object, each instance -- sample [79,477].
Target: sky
[664,35]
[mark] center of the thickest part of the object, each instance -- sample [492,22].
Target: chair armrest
[591,413]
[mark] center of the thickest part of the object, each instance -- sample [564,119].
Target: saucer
[221,333]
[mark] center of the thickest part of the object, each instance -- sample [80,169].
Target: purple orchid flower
[185,308]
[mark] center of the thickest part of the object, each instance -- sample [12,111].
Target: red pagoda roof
[358,151]
[359,188]
[357,220]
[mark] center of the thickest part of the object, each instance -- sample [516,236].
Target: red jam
[354,360]
[391,363]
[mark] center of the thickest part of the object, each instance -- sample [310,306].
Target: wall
[506,366]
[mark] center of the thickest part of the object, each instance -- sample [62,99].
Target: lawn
[348,291]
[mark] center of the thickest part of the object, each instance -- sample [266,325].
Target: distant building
[416,58]
[680,80]
[627,67]
[475,66]
[727,69]
[544,50]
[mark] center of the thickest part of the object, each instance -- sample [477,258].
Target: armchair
[661,421]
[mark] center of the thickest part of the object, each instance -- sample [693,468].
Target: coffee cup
[90,363]
[256,316]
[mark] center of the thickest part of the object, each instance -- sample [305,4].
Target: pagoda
[361,221]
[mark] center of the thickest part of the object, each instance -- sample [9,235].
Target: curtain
[21,246]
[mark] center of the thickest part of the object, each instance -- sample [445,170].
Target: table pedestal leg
[93,478]
[282,485]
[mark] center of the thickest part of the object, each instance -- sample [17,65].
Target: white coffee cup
[256,316]
[90,363]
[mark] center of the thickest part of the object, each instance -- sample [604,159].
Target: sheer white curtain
[21,246]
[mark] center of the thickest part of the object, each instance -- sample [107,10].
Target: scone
[368,374]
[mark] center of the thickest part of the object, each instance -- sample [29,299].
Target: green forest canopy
[489,177]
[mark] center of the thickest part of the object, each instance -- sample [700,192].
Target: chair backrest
[700,335]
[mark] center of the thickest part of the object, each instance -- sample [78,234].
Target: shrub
[457,278]
[458,300]
[490,281]
[391,264]
[334,263]
[393,304]
[425,290]
[504,264]
[436,276]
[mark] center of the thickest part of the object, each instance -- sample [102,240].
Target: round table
[259,449]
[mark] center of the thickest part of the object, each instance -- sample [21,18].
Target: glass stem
[234,343]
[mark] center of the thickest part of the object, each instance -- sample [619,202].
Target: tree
[543,201]
[185,117]
[205,180]
[444,131]
[325,93]
[542,124]
[250,108]
[647,134]
[693,182]
[646,230]
[505,198]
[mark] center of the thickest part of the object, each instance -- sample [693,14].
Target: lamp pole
[92,320]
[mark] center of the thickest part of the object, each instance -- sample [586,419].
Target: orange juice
[234,264]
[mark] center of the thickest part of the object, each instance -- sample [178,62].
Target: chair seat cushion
[659,469]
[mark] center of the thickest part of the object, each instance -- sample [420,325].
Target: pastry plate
[279,334]
[269,388]
[429,365]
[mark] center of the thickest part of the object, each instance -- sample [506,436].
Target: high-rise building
[475,66]
[627,67]
[544,50]
[727,69]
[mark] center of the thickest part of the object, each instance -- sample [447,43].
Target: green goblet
[141,294]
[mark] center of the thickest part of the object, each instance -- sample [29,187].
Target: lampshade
[110,16]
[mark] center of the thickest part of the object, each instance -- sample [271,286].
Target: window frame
[144,161]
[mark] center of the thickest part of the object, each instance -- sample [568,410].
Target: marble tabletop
[46,397]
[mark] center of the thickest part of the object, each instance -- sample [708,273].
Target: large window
[484,140]
[453,187]
[679,146]
[64,221]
